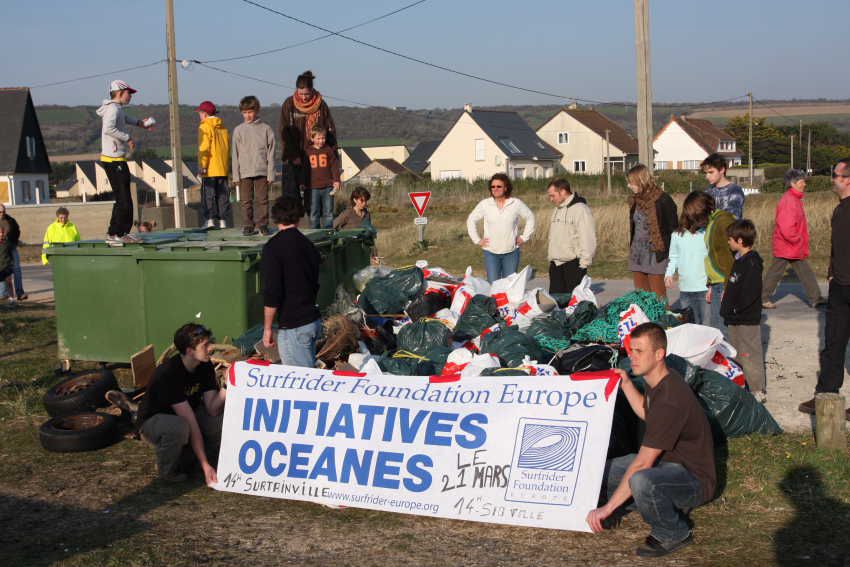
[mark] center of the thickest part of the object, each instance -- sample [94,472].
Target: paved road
[792,333]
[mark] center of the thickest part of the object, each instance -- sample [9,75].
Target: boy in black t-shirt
[183,406]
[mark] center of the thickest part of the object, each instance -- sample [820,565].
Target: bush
[775,170]
[815,183]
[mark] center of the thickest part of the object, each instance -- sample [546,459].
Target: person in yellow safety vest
[61,230]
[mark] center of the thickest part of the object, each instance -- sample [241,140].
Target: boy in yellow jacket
[213,162]
[60,230]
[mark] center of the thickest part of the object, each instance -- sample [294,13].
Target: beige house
[579,134]
[381,171]
[484,142]
[24,163]
[684,142]
[353,159]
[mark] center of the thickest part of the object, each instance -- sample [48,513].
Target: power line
[95,76]
[421,61]
[315,39]
[272,83]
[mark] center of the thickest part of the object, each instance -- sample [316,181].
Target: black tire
[80,432]
[81,393]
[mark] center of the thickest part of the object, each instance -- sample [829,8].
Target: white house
[24,164]
[684,142]
[579,134]
[351,160]
[484,142]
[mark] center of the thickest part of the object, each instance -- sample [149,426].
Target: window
[40,192]
[550,172]
[510,146]
[30,147]
[26,192]
[519,173]
[660,165]
[450,174]
[479,150]
[691,164]
[563,138]
[579,166]
[727,146]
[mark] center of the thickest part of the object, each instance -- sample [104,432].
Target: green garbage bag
[552,324]
[511,346]
[402,363]
[562,299]
[480,314]
[584,313]
[423,336]
[390,294]
[439,355]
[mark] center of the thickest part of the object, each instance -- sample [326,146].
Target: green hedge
[815,183]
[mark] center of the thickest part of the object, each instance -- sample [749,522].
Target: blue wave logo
[549,447]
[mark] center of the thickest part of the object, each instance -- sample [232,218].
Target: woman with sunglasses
[501,214]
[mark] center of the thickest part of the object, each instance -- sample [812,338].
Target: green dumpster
[324,241]
[353,253]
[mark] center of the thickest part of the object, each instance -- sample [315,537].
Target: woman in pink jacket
[791,243]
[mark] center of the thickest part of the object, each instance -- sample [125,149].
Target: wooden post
[644,84]
[750,137]
[829,422]
[608,159]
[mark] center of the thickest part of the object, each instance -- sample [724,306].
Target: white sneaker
[210,223]
[13,301]
[114,240]
[222,223]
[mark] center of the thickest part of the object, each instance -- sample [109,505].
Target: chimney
[467,107]
[573,106]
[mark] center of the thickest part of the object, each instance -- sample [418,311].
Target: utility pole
[809,153]
[800,140]
[792,151]
[174,117]
[608,158]
[750,137]
[644,84]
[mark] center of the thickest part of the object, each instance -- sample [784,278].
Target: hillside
[71,130]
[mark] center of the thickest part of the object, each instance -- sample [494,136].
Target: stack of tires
[75,425]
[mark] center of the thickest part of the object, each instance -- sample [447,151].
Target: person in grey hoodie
[116,145]
[253,150]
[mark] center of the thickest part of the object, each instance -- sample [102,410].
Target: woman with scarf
[653,218]
[298,114]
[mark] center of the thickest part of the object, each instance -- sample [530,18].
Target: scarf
[310,108]
[645,203]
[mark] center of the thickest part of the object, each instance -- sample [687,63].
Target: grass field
[785,502]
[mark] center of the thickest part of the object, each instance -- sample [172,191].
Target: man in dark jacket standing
[290,272]
[837,331]
[13,234]
[741,305]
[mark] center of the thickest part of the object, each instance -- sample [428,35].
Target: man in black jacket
[290,271]
[741,305]
[837,330]
[13,233]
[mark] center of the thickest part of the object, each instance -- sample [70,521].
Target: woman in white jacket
[501,214]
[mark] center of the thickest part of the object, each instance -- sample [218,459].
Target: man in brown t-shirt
[673,472]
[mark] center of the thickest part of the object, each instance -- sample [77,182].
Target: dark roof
[394,166]
[158,165]
[357,155]
[598,122]
[706,134]
[418,159]
[18,120]
[513,135]
[192,166]
[88,169]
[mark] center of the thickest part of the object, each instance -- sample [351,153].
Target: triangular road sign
[420,201]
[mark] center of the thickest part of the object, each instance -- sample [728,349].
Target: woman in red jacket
[791,243]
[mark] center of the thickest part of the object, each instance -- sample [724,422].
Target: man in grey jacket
[116,145]
[572,237]
[253,147]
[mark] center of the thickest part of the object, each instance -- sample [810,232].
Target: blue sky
[701,50]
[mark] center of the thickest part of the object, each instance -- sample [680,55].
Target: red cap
[207,107]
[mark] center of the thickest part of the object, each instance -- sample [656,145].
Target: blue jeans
[696,301]
[297,347]
[663,494]
[499,266]
[321,208]
[716,320]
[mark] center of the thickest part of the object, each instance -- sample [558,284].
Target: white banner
[523,450]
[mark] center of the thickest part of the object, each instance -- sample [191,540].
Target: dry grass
[450,247]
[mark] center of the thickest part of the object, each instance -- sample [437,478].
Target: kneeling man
[673,472]
[184,406]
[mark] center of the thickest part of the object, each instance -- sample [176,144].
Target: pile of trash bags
[421,321]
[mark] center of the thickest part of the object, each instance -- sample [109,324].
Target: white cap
[119,85]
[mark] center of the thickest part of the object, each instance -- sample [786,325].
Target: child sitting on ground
[688,253]
[741,305]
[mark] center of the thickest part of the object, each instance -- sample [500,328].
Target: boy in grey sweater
[253,165]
